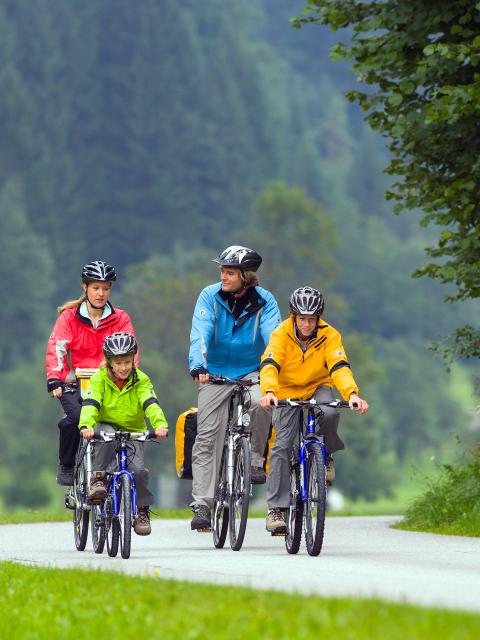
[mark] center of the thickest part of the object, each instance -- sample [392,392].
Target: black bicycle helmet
[98,271]
[120,344]
[240,258]
[307,301]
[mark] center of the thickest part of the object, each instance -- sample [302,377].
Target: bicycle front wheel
[315,506]
[98,528]
[125,515]
[220,508]
[240,496]
[295,510]
[81,512]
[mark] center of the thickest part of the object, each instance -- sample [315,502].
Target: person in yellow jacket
[304,359]
[121,398]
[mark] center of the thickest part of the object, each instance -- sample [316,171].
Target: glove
[53,383]
[196,372]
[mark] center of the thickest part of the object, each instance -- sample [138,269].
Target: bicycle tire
[294,513]
[98,528]
[220,508]
[81,514]
[112,527]
[239,499]
[125,516]
[315,506]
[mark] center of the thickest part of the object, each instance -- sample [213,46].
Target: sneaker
[275,521]
[258,475]
[97,490]
[142,522]
[65,475]
[330,469]
[201,518]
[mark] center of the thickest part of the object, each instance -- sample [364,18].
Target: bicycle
[76,496]
[232,493]
[113,520]
[308,486]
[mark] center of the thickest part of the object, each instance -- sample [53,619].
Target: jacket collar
[103,320]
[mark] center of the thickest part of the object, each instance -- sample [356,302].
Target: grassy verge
[51,603]
[19,515]
[451,503]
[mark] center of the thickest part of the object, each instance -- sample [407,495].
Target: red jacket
[76,343]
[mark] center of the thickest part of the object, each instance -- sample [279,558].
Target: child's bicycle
[308,486]
[113,520]
[232,493]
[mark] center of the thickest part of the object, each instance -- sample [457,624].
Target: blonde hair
[250,278]
[71,304]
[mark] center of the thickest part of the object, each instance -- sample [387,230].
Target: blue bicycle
[113,520]
[308,486]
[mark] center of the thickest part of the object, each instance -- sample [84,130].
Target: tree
[421,61]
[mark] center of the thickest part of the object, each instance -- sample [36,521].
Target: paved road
[362,556]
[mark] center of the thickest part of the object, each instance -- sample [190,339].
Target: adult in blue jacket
[231,327]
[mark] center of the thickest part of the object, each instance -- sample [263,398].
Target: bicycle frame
[122,463]
[305,443]
[235,432]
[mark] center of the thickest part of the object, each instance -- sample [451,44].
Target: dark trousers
[68,425]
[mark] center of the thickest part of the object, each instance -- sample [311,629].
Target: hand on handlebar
[269,400]
[357,404]
[87,434]
[161,433]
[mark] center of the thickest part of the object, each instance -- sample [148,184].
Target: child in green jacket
[121,397]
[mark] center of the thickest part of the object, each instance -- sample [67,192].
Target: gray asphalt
[362,556]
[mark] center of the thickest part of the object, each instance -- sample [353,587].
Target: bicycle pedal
[279,534]
[205,530]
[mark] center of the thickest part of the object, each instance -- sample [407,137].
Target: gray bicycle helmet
[240,258]
[307,301]
[98,271]
[120,344]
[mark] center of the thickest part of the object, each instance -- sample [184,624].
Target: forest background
[152,135]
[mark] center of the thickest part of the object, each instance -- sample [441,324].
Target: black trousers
[68,425]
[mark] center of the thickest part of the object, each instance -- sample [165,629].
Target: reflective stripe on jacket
[227,346]
[290,372]
[75,342]
[125,408]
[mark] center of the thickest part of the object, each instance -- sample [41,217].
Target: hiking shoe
[142,522]
[65,475]
[258,475]
[201,517]
[97,491]
[275,521]
[330,469]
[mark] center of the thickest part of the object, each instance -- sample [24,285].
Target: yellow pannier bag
[185,434]
[268,448]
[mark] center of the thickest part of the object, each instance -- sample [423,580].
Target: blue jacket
[225,346]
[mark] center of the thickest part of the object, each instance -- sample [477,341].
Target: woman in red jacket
[76,341]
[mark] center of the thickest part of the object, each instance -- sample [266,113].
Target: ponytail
[71,304]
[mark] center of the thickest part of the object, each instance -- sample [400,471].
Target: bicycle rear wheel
[295,510]
[112,527]
[220,508]
[125,515]
[81,512]
[98,528]
[240,496]
[315,506]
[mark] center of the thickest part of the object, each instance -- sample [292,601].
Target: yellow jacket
[290,372]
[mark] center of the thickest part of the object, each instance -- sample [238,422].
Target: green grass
[451,502]
[51,603]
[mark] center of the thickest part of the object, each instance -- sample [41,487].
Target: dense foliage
[421,61]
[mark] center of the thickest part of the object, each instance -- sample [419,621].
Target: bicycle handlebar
[214,379]
[140,436]
[336,404]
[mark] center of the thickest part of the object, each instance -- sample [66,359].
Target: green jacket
[125,408]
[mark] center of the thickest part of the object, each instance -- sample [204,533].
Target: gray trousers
[104,459]
[285,420]
[212,418]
